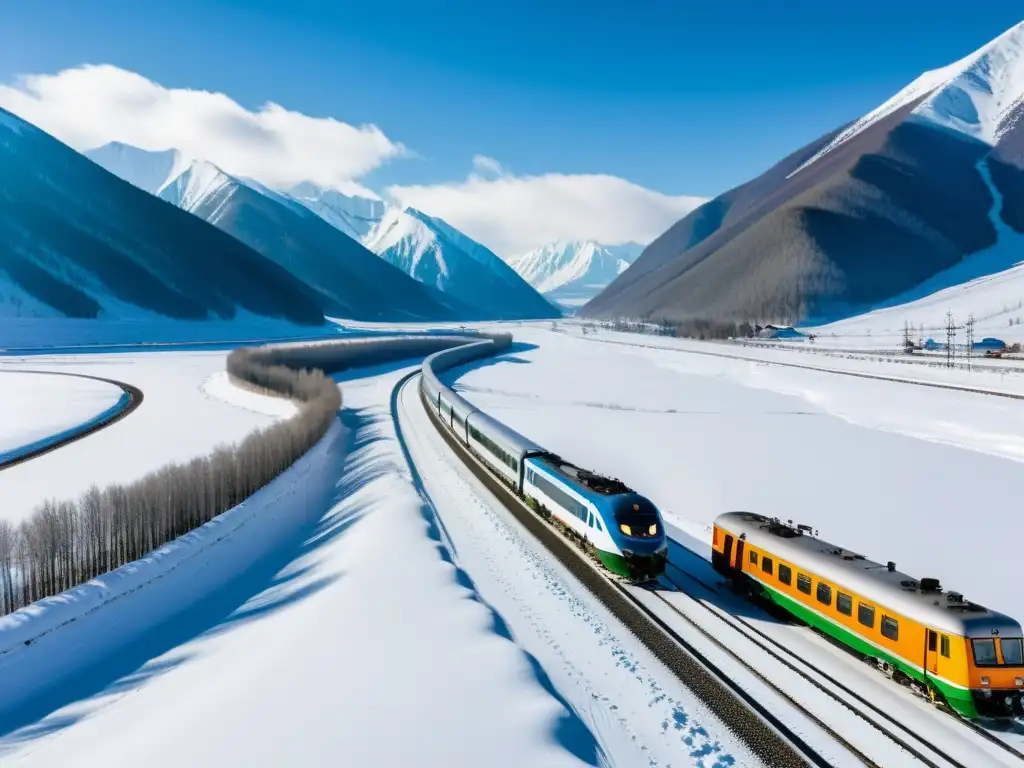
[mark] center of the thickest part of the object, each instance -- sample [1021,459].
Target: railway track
[897,731]
[135,397]
[819,369]
[751,720]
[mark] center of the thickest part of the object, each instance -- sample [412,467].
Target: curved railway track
[767,736]
[135,397]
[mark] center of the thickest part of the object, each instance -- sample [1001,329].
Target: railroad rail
[807,670]
[770,739]
[819,369]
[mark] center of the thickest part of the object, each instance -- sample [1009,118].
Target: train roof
[501,434]
[930,605]
[592,481]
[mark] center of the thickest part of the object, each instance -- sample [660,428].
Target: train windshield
[1009,647]
[637,517]
[1012,651]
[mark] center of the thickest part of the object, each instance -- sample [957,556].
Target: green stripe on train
[958,698]
[614,563]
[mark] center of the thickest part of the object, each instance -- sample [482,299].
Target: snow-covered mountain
[75,241]
[981,96]
[924,192]
[572,272]
[455,277]
[435,253]
[348,279]
[353,215]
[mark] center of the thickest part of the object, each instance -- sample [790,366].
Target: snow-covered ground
[183,415]
[921,476]
[36,407]
[349,638]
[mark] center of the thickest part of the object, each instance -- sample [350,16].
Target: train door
[931,652]
[727,551]
[739,554]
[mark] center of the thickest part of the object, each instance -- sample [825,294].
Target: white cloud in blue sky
[512,214]
[91,105]
[88,106]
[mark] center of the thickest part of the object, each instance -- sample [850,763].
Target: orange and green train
[959,653]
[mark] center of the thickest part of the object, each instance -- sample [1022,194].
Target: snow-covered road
[184,414]
[38,408]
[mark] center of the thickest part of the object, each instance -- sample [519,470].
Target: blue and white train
[614,524]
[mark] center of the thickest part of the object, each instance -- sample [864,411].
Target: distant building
[988,343]
[932,345]
[780,332]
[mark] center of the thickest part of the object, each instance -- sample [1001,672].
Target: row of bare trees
[67,542]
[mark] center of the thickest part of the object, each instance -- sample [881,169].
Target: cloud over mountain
[91,105]
[513,214]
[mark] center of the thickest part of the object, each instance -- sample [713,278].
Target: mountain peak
[573,271]
[981,96]
[149,170]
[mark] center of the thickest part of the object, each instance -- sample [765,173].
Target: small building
[932,345]
[780,332]
[989,343]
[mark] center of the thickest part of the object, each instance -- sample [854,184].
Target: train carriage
[620,528]
[956,651]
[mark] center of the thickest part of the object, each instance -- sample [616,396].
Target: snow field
[924,477]
[347,638]
[39,407]
[177,421]
[633,706]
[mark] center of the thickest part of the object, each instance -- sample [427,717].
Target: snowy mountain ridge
[573,271]
[980,96]
[432,251]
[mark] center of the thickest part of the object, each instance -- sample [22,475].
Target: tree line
[64,543]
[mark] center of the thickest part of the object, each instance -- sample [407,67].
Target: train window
[753,557]
[766,565]
[785,574]
[890,627]
[866,615]
[844,604]
[1010,647]
[933,639]
[803,583]
[944,646]
[597,522]
[590,520]
[824,593]
[984,653]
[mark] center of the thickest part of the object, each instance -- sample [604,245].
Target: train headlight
[653,530]
[1018,681]
[626,529]
[984,681]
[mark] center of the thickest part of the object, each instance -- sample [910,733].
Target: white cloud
[485,164]
[91,105]
[513,214]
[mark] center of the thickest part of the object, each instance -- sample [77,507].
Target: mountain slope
[77,241]
[433,252]
[856,218]
[355,216]
[573,272]
[350,281]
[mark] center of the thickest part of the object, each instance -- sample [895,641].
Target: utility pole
[906,336]
[970,339]
[950,340]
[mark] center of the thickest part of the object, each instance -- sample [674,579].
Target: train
[611,522]
[956,652]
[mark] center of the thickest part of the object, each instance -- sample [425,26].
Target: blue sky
[679,97]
